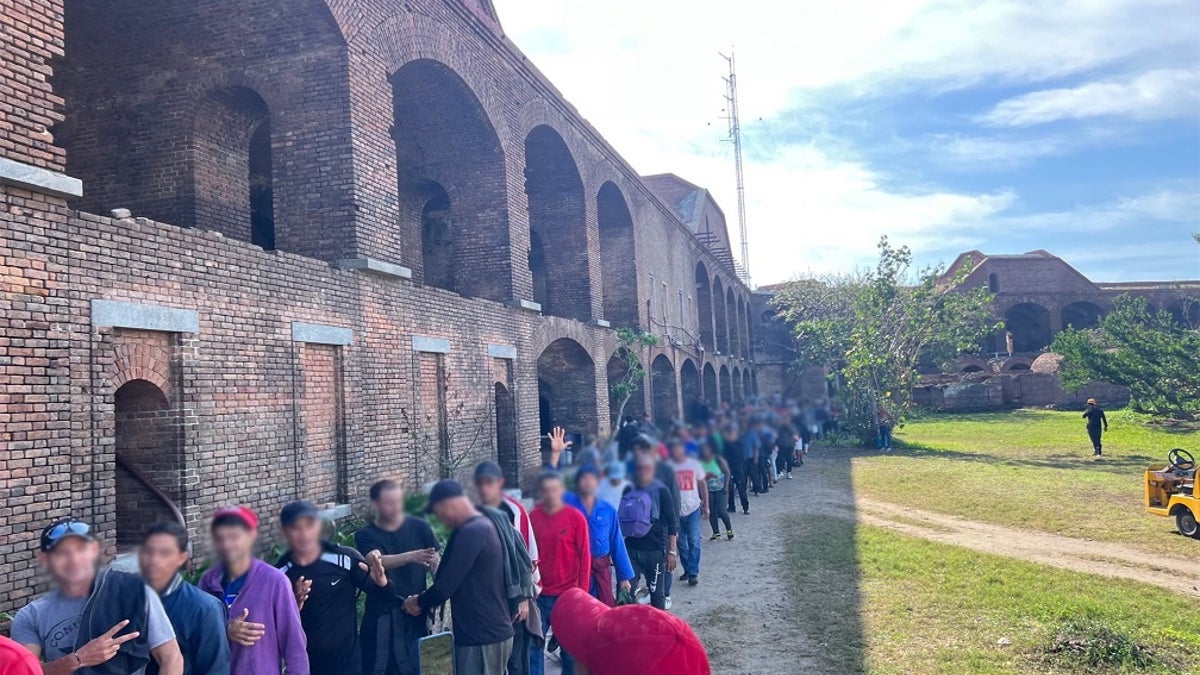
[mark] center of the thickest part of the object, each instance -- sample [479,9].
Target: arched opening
[993,283]
[704,306]
[1018,367]
[233,178]
[737,383]
[743,339]
[147,450]
[712,394]
[748,327]
[747,387]
[567,388]
[726,385]
[690,387]
[735,329]
[973,368]
[618,369]
[665,396]
[451,183]
[557,217]
[754,383]
[1185,312]
[1029,324]
[618,264]
[722,322]
[507,455]
[1081,315]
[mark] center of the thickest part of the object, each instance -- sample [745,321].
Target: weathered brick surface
[398,132]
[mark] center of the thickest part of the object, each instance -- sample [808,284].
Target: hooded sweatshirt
[268,595]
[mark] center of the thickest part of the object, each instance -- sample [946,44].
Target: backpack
[638,510]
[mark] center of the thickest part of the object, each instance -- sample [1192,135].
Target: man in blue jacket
[604,534]
[198,618]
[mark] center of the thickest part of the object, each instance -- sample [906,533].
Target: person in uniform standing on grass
[198,618]
[1095,421]
[472,577]
[327,579]
[264,628]
[109,623]
[409,551]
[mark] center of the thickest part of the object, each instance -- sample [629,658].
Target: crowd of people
[599,550]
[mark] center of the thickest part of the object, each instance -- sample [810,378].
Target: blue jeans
[537,658]
[689,543]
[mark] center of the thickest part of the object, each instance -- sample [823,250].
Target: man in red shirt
[566,561]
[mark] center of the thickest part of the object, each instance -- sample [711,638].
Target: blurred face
[587,484]
[390,505]
[73,561]
[677,453]
[552,492]
[233,543]
[304,535]
[454,511]
[645,472]
[706,451]
[160,558]
[490,490]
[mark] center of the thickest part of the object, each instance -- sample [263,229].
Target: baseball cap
[615,470]
[15,659]
[488,470]
[296,510]
[242,514]
[586,469]
[442,490]
[626,639]
[62,529]
[1092,401]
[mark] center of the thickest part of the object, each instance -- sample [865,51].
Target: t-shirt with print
[52,622]
[688,475]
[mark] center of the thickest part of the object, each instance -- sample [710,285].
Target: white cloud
[1157,94]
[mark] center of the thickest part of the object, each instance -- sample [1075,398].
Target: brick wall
[321,421]
[29,107]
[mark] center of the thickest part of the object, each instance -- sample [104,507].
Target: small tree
[632,343]
[1150,353]
[874,327]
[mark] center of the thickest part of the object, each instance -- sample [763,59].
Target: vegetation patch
[1089,645]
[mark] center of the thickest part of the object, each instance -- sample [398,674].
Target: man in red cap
[626,640]
[265,633]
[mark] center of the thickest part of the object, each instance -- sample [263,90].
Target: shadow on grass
[822,564]
[1124,465]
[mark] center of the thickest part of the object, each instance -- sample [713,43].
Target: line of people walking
[618,535]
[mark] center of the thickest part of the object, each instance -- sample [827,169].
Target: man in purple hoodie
[264,629]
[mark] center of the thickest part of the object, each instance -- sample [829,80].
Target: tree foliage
[632,342]
[1152,354]
[874,327]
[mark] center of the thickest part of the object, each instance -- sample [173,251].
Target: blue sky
[1006,126]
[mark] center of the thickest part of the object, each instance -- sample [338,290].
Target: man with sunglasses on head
[109,622]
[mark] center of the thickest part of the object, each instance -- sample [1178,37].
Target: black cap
[488,469]
[297,510]
[62,529]
[442,490]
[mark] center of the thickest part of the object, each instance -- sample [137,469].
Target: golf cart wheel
[1185,522]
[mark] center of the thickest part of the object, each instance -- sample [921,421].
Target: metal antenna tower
[735,137]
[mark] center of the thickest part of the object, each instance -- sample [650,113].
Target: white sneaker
[789,475]
[668,602]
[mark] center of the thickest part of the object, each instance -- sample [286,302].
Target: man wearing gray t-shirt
[121,630]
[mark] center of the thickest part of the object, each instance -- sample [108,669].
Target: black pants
[518,660]
[717,512]
[653,566]
[1094,434]
[758,473]
[785,460]
[738,489]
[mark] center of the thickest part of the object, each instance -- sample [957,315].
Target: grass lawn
[1032,469]
[880,602]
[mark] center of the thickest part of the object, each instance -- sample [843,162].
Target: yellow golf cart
[1171,491]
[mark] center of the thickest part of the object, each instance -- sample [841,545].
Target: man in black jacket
[109,623]
[1095,418]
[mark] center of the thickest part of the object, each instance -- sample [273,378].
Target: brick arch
[539,112]
[553,329]
[140,362]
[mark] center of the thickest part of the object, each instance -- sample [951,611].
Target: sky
[947,125]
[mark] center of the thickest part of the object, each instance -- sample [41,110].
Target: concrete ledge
[527,305]
[604,323]
[386,269]
[502,352]
[318,334]
[430,345]
[38,179]
[116,314]
[336,512]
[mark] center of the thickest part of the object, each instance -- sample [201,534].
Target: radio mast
[735,137]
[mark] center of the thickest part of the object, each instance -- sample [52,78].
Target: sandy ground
[740,608]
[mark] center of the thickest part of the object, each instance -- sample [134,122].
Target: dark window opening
[262,191]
